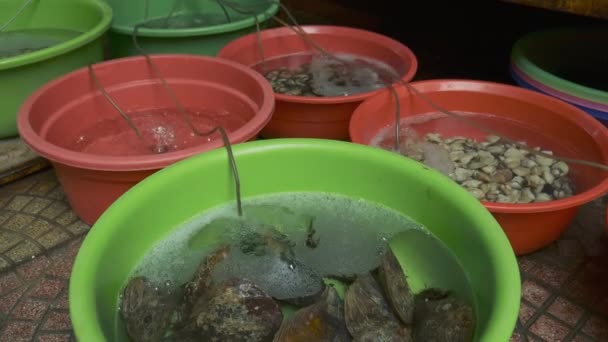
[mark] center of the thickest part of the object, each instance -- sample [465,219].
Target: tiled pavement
[565,286]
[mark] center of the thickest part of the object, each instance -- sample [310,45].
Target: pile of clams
[376,306]
[494,170]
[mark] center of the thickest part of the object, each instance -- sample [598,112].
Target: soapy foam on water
[343,225]
[18,42]
[331,77]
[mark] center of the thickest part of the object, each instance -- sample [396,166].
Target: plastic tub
[81,31]
[51,120]
[204,40]
[319,117]
[558,126]
[598,111]
[138,220]
[565,58]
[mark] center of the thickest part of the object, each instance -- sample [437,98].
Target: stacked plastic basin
[567,63]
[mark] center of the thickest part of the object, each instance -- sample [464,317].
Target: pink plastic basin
[56,113]
[319,117]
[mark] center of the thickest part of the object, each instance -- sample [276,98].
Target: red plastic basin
[518,114]
[67,105]
[319,117]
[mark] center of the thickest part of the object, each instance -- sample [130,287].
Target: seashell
[496,149]
[456,146]
[514,153]
[477,193]
[434,137]
[483,176]
[518,179]
[471,183]
[521,171]
[548,176]
[529,163]
[457,155]
[515,185]
[506,189]
[544,161]
[543,197]
[504,199]
[476,165]
[502,176]
[442,317]
[527,196]
[238,310]
[366,310]
[535,181]
[536,170]
[492,139]
[467,157]
[322,321]
[462,175]
[562,167]
[559,193]
[492,196]
[512,162]
[397,290]
[456,139]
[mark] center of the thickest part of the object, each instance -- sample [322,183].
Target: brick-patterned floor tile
[57,321]
[550,274]
[37,228]
[534,292]
[62,301]
[566,311]
[18,331]
[526,312]
[580,337]
[36,205]
[54,338]
[33,269]
[597,327]
[526,264]
[47,289]
[549,329]
[29,310]
[18,202]
[26,250]
[8,301]
[581,292]
[8,281]
[54,210]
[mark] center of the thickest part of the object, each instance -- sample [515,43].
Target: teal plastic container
[165,200]
[203,39]
[78,26]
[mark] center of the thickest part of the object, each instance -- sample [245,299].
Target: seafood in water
[368,314]
[442,318]
[146,310]
[394,283]
[322,321]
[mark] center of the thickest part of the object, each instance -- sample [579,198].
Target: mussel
[441,317]
[368,315]
[396,288]
[323,321]
[146,310]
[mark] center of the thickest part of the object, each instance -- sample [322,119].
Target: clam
[368,314]
[146,310]
[397,290]
[441,317]
[238,310]
[322,321]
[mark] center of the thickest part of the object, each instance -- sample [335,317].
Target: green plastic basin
[204,40]
[573,61]
[153,208]
[22,75]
